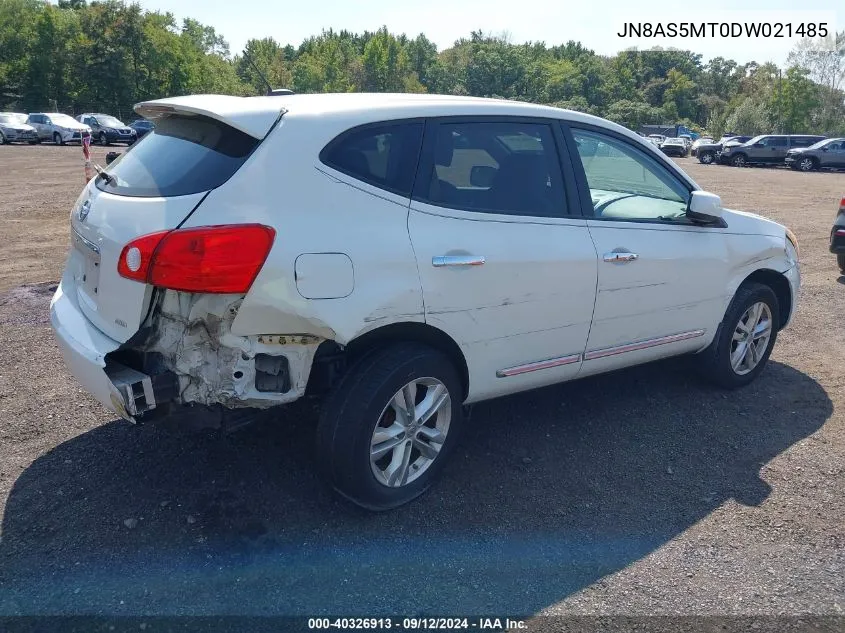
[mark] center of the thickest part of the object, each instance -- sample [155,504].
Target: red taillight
[842,204]
[211,259]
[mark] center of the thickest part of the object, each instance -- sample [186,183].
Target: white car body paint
[350,258]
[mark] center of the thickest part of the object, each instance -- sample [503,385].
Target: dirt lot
[637,493]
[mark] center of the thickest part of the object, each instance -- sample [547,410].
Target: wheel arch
[412,331]
[779,285]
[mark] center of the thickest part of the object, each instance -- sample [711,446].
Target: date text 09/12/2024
[417,623]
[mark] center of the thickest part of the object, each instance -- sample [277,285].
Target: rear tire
[840,259]
[367,449]
[706,158]
[744,340]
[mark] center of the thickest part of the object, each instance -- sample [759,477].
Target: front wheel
[840,259]
[387,430]
[707,158]
[104,140]
[806,164]
[3,140]
[739,160]
[744,340]
[57,139]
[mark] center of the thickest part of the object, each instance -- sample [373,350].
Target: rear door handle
[457,260]
[620,258]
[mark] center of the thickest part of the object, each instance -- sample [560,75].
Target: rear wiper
[106,176]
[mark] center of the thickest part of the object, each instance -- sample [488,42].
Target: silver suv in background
[766,149]
[826,154]
[57,127]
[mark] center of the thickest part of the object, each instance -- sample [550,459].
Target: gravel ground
[642,492]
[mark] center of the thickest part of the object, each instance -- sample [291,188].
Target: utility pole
[780,103]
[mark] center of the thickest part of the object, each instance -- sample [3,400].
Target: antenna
[271,92]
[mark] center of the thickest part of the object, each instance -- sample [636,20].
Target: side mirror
[705,207]
[825,148]
[482,176]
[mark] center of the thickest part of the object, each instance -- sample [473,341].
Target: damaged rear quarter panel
[193,333]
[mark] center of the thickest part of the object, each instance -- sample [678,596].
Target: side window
[501,167]
[776,141]
[625,183]
[384,156]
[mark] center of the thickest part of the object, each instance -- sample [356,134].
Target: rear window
[383,155]
[180,156]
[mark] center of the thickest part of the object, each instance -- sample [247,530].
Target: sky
[595,23]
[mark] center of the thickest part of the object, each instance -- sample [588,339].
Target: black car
[709,153]
[107,129]
[837,237]
[142,126]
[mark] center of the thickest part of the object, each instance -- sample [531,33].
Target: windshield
[180,156]
[675,141]
[756,139]
[108,121]
[62,119]
[12,119]
[823,143]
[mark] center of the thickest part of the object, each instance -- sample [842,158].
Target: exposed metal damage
[191,336]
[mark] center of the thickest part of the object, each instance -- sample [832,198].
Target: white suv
[399,256]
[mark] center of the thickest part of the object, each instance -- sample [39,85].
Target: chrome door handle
[457,260]
[620,258]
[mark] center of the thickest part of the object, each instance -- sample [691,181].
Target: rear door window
[181,156]
[502,167]
[383,155]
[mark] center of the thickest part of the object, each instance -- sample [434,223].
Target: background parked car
[657,139]
[674,147]
[142,126]
[837,237]
[766,149]
[57,127]
[107,129]
[709,153]
[704,140]
[13,128]
[829,153]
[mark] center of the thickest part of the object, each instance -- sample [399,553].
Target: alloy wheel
[751,338]
[806,164]
[707,158]
[410,432]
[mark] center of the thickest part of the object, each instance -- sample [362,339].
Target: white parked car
[13,128]
[400,256]
[57,127]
